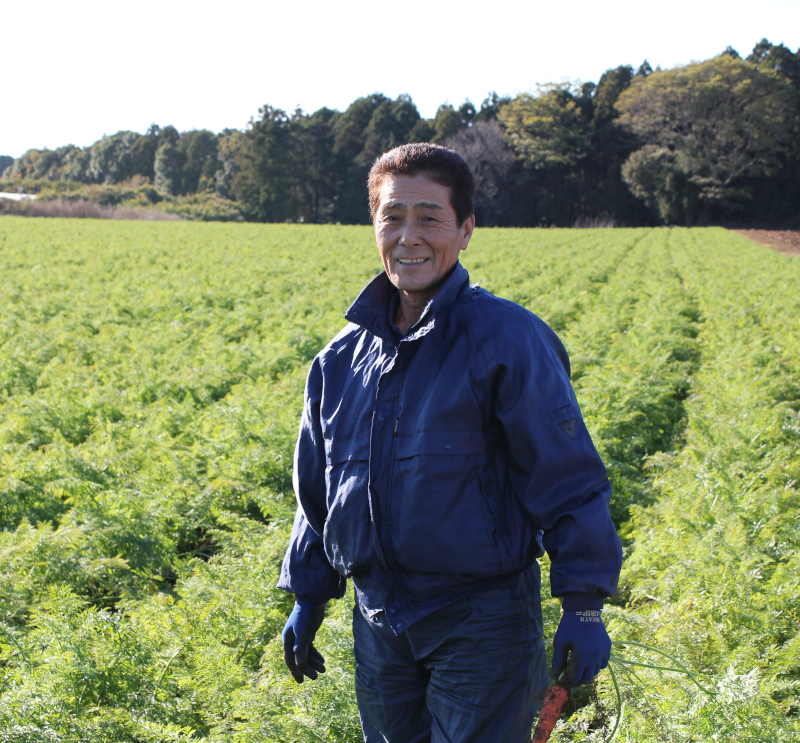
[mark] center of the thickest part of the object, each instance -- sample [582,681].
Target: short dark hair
[440,164]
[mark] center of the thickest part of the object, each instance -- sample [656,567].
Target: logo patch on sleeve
[568,427]
[564,417]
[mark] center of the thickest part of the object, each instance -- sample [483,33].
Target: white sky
[74,71]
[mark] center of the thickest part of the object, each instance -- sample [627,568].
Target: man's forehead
[418,192]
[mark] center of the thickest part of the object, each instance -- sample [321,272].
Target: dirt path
[784,241]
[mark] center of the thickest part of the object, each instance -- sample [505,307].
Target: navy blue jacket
[430,465]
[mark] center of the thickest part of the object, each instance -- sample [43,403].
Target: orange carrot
[553,705]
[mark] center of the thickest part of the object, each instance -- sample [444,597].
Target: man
[441,450]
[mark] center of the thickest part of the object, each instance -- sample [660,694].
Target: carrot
[553,705]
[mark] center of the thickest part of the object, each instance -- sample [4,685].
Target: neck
[411,307]
[412,304]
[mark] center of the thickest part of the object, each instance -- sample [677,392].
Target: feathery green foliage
[151,379]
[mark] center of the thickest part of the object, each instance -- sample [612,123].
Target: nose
[409,237]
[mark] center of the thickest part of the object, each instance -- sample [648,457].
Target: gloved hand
[583,633]
[300,656]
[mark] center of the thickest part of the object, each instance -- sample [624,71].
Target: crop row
[712,575]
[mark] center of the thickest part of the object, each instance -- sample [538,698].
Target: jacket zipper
[394,571]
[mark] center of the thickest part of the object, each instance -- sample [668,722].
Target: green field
[151,378]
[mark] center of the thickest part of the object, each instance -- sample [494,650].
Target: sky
[74,71]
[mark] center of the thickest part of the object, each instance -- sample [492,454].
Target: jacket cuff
[576,601]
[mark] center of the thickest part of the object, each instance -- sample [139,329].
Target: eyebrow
[418,205]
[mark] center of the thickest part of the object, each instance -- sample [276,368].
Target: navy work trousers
[472,672]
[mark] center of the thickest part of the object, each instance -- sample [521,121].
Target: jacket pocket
[347,536]
[442,522]
[339,452]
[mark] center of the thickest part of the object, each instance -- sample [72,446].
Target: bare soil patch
[784,241]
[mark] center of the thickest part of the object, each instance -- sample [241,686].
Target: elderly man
[441,451]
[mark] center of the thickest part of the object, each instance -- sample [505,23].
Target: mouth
[411,261]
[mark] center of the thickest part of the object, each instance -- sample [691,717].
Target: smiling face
[418,235]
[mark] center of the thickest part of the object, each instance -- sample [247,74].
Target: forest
[713,142]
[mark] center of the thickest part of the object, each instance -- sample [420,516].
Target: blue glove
[301,657]
[584,635]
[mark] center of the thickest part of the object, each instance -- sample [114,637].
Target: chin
[413,286]
[413,283]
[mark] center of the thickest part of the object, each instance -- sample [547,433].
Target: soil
[784,241]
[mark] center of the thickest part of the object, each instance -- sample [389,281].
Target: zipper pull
[396,424]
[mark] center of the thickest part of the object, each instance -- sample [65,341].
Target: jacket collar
[371,308]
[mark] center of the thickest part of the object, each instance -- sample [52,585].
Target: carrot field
[151,380]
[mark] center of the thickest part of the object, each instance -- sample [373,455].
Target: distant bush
[601,220]
[202,207]
[135,195]
[37,185]
[79,208]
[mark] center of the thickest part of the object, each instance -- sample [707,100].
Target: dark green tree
[490,107]
[605,191]
[717,123]
[423,131]
[49,164]
[608,90]
[777,198]
[778,58]
[230,142]
[110,158]
[24,165]
[390,125]
[350,172]
[267,183]
[143,153]
[572,151]
[169,161]
[314,157]
[550,132]
[467,113]
[75,165]
[550,129]
[369,127]
[199,150]
[46,165]
[446,123]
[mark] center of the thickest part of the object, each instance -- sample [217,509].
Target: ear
[466,231]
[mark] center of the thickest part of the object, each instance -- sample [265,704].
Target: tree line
[707,142]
